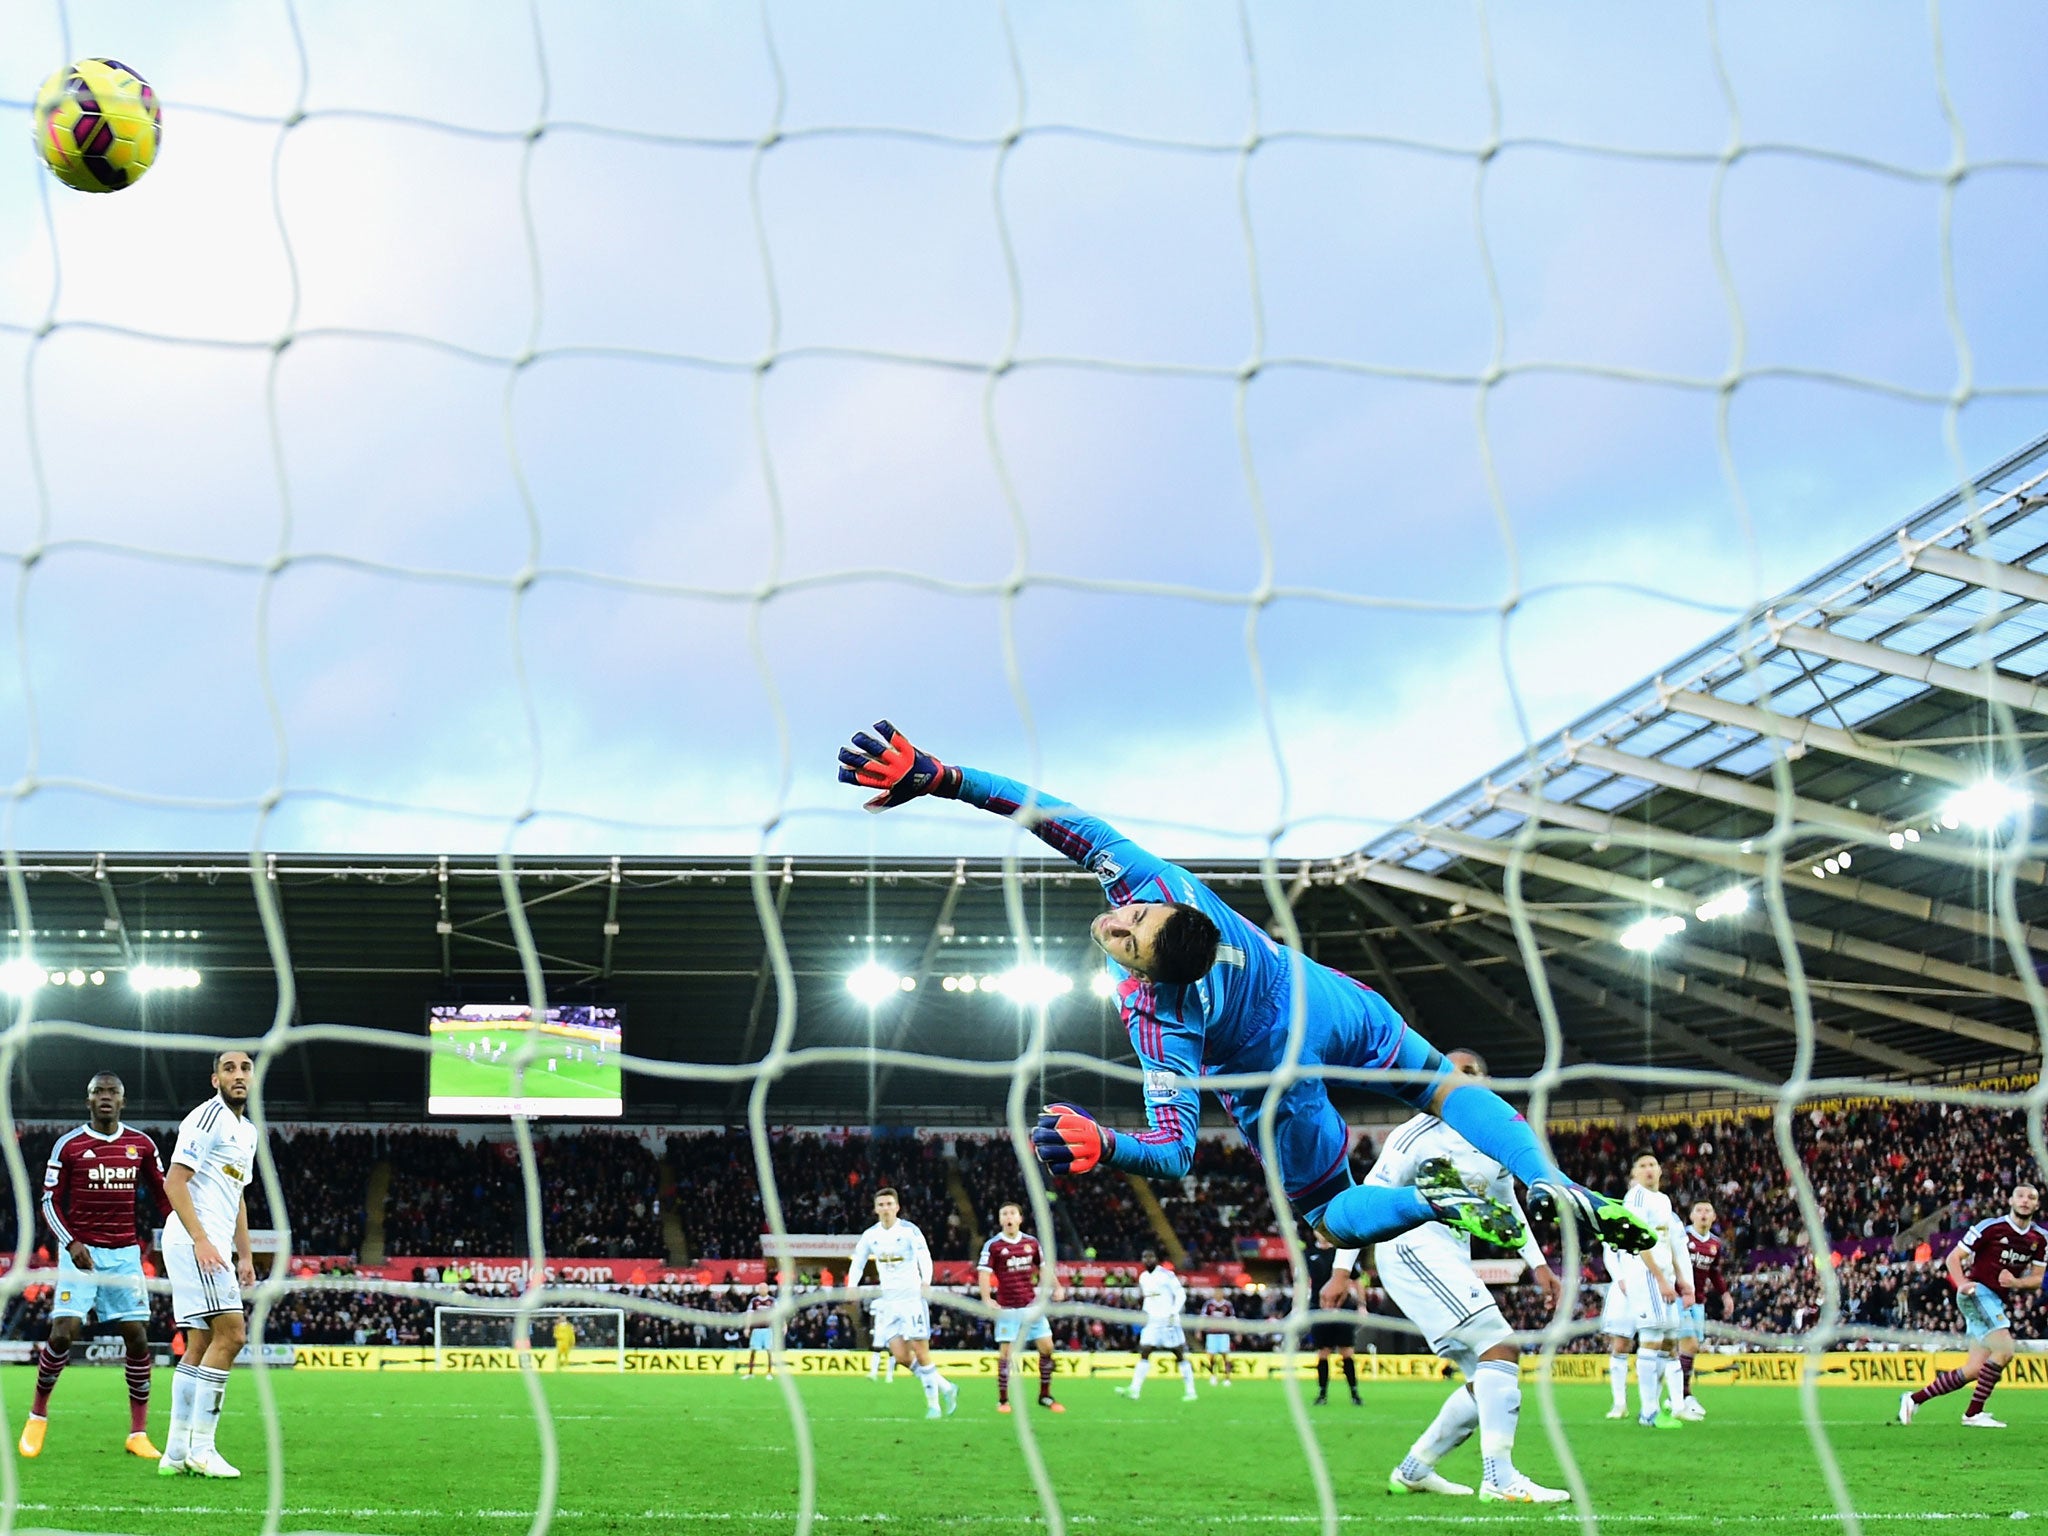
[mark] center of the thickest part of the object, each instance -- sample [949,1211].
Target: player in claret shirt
[1216,1341]
[1009,1271]
[1709,1298]
[1999,1254]
[89,1191]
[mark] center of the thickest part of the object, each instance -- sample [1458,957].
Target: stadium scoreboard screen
[570,1060]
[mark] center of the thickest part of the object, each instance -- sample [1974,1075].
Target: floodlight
[1102,984]
[1732,902]
[1651,932]
[1034,985]
[873,983]
[21,976]
[1985,807]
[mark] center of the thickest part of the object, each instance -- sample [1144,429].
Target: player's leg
[1944,1382]
[1045,1397]
[51,1359]
[1139,1371]
[1186,1362]
[1451,1428]
[227,1332]
[1998,1352]
[136,1362]
[1322,1377]
[1347,1354]
[1002,1373]
[124,1302]
[1370,1033]
[1497,1391]
[184,1394]
[1618,1347]
[1652,1362]
[940,1395]
[1692,1326]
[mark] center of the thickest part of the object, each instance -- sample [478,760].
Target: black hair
[1184,947]
[1639,1156]
[233,1050]
[114,1075]
[1478,1061]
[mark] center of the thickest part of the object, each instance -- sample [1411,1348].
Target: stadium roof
[1884,687]
[1902,675]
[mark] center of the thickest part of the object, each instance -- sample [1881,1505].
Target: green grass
[454,1076]
[406,1453]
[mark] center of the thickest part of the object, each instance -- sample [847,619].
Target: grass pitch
[457,1077]
[410,1454]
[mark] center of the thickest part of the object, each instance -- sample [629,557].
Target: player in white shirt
[903,1319]
[1427,1270]
[1658,1282]
[1618,1322]
[211,1166]
[1164,1297]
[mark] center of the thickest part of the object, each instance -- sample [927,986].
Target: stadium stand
[1924,1170]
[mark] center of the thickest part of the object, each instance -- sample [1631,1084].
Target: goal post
[471,1337]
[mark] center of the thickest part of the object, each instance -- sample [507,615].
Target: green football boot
[1605,1217]
[1462,1210]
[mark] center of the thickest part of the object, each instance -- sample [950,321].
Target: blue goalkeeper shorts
[1349,1025]
[1012,1328]
[759,1339]
[112,1288]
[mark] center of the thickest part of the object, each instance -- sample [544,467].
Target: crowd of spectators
[324,1174]
[600,1195]
[1877,1169]
[826,1183]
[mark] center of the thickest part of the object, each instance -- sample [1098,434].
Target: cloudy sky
[762,477]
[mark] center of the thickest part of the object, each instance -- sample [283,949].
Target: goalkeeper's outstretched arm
[888,762]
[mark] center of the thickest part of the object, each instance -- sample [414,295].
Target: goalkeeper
[1202,989]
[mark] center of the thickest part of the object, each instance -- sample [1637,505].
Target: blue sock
[1491,1124]
[1371,1213]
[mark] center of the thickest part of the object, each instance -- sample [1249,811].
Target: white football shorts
[198,1294]
[1616,1315]
[901,1318]
[1653,1314]
[1162,1336]
[1429,1276]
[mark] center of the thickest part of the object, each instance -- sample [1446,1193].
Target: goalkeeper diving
[1203,990]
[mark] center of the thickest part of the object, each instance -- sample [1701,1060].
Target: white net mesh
[1277,343]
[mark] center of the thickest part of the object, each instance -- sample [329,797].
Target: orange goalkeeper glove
[895,767]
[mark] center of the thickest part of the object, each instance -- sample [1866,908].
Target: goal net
[544,1338]
[1378,456]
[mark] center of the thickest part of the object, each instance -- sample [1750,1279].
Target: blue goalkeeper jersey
[1234,1020]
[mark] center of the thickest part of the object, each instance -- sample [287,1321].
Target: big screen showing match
[570,1061]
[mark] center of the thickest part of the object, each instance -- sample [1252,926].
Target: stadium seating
[1880,1169]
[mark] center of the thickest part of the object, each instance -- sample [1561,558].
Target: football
[97,125]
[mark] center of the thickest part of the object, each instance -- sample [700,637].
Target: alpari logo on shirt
[111,1173]
[1161,1087]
